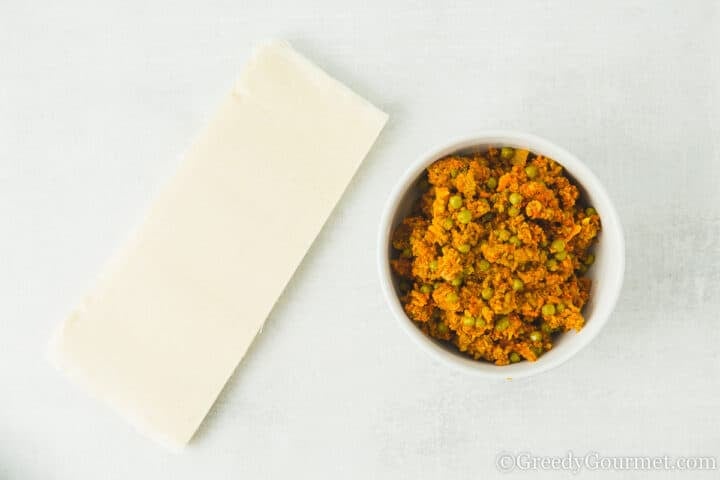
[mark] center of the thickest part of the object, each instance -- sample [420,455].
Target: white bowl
[606,273]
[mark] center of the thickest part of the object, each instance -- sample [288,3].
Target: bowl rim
[611,226]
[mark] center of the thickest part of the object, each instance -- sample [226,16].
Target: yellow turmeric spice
[492,256]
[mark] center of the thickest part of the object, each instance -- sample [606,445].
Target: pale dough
[177,309]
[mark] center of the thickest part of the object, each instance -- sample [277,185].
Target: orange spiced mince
[491,258]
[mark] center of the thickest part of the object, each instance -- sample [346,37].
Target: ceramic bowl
[606,273]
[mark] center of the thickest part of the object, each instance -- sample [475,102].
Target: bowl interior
[606,273]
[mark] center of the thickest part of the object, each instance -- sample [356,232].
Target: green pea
[560,307]
[507,152]
[537,350]
[468,321]
[464,248]
[535,336]
[551,264]
[502,324]
[545,327]
[456,282]
[548,309]
[483,265]
[426,288]
[407,253]
[487,293]
[448,223]
[455,201]
[531,171]
[514,240]
[433,265]
[517,284]
[513,211]
[452,297]
[480,323]
[442,328]
[454,172]
[557,245]
[491,183]
[515,198]
[503,235]
[590,211]
[514,357]
[590,259]
[561,255]
[464,216]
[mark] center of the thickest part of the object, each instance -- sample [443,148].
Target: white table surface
[97,102]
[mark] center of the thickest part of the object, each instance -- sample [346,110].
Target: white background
[97,102]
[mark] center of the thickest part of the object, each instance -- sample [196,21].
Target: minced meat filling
[491,258]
